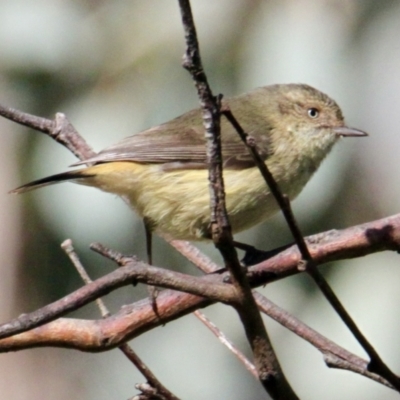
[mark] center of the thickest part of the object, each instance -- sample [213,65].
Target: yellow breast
[178,202]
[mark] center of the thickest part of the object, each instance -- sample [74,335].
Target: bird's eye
[313,112]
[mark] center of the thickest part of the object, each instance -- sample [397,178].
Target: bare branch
[76,262]
[334,355]
[337,356]
[134,271]
[226,342]
[59,129]
[133,320]
[158,388]
[269,371]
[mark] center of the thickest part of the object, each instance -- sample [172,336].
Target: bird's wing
[180,144]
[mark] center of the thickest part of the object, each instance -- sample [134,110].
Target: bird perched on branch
[162,171]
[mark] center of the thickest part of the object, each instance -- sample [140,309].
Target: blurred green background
[114,68]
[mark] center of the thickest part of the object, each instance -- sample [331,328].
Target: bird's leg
[149,242]
[254,256]
[152,290]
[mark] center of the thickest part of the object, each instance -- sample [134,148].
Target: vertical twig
[265,360]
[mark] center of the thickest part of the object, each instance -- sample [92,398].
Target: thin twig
[205,264]
[269,371]
[60,129]
[337,356]
[159,388]
[227,343]
[67,246]
[111,254]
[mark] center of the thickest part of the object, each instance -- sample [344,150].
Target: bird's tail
[50,180]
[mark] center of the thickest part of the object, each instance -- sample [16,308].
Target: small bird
[162,172]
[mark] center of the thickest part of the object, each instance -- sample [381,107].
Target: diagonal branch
[127,350]
[133,272]
[59,129]
[334,355]
[138,318]
[308,264]
[133,320]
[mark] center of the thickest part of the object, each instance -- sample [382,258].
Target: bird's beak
[344,131]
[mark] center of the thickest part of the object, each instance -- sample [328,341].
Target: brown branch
[133,272]
[138,318]
[135,319]
[269,371]
[206,265]
[59,129]
[334,355]
[67,246]
[227,343]
[158,389]
[376,363]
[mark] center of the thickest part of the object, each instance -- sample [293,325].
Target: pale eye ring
[313,112]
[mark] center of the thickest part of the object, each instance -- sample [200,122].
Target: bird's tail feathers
[50,180]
